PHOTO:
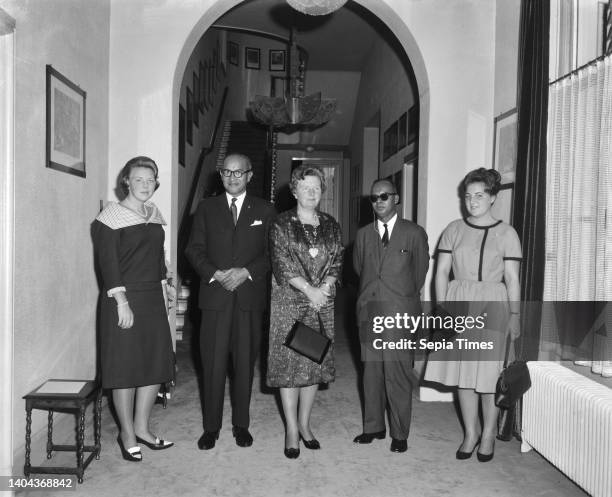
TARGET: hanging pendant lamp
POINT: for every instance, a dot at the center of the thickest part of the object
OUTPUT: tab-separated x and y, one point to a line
294	108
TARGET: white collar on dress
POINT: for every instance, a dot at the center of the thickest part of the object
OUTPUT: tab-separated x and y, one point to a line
117	216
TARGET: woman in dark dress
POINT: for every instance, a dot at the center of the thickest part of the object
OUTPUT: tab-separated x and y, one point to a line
136	347
306	251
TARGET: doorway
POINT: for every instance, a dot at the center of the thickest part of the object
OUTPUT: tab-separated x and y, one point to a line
332	171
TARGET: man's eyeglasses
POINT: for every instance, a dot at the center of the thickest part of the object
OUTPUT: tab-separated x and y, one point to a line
238	173
383	196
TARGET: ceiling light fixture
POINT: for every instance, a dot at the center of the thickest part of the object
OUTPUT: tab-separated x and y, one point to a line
316	7
294	108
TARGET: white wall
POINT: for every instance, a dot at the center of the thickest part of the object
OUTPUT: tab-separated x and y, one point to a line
385	90
507	24
55	287
202	134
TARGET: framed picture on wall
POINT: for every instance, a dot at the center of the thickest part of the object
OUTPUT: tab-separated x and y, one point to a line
505	145
413	124
252	58
196	100
277	60
390	141
181	139
65	124
502	207
232	53
189	120
402	131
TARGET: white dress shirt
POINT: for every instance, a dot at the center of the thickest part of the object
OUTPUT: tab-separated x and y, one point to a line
239	201
381	228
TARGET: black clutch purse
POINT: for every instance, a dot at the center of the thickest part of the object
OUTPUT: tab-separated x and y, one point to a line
307	341
512	383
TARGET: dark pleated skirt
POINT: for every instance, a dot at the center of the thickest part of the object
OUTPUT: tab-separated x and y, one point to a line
141	355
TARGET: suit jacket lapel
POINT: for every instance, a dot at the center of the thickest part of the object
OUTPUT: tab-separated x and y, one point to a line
225	215
377	247
244	215
393	239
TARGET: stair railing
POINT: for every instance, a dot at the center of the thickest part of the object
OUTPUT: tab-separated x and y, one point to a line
185	224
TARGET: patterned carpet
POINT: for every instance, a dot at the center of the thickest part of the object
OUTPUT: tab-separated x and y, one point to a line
340	468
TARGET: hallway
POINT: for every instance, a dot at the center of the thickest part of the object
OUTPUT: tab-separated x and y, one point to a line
341	468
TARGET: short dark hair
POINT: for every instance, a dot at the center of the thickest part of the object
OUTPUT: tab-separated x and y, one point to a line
490	177
241	157
300	172
390	182
140	161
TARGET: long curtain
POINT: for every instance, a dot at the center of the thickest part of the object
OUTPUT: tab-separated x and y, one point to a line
579	197
530	183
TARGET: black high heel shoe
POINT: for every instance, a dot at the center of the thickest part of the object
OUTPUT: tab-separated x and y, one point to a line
311	444
486	457
292	453
461	455
130	454
158	445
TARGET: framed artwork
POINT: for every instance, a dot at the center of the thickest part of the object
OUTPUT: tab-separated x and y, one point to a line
181	139
65	124
502	207
505	144
252	58
402	131
413	124
232	53
196	100
277	60
189	105
390	141
202	104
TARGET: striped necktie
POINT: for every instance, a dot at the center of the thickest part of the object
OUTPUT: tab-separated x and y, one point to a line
234	210
385	237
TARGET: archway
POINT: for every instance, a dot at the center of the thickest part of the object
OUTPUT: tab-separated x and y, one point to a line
376	7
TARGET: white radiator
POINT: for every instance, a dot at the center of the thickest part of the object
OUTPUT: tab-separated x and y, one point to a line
568	419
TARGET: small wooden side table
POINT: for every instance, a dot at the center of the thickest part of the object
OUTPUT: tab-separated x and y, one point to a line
70	395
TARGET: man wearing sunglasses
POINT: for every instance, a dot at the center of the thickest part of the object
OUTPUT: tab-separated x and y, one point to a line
228	249
391	257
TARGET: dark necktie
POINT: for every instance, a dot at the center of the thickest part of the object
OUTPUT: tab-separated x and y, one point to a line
234	210
385	237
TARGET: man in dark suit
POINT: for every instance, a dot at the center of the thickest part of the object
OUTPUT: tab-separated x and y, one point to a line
391	257
228	249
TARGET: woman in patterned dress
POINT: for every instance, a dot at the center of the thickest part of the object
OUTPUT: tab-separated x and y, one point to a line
135	345
484	254
306	251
